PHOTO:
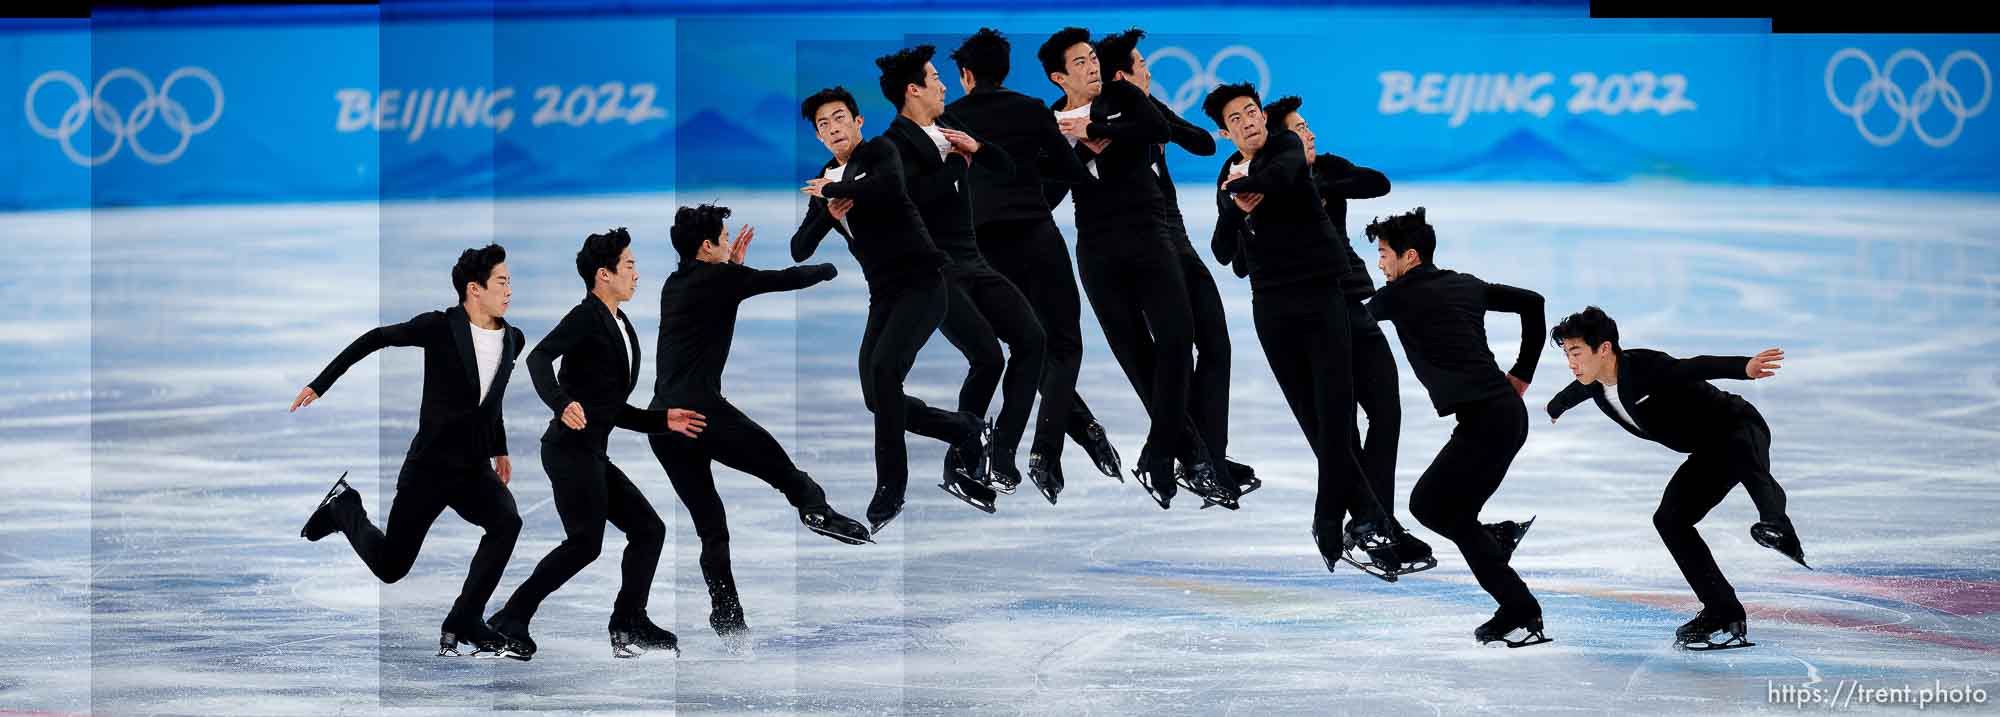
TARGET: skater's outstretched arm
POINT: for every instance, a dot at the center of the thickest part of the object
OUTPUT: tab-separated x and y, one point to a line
1187	135
1501	297
1706	368
672	420
415	332
764	281
1339	178
1568	398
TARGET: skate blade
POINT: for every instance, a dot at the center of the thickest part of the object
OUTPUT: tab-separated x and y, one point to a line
1046	493
843	537
1210	502
1165	500
1369	568
958	492
875	527
1706	646
1532	639
1417	566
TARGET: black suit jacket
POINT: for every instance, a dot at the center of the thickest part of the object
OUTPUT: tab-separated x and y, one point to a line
1339	180
1023	126
1440	317
595	373
889	239
1289	238
1670	398
1198	142
939	186
454	427
1126	190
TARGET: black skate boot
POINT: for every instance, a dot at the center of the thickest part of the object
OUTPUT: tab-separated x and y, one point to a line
887	504
1699	634
1778	535
825	521
321	523
486	642
1509	533
1156	475
1003	475
1412	552
1245	477
1372	549
1101	451
726	618
1507	629
967	457
634	634
1202	479
520	645
1047	475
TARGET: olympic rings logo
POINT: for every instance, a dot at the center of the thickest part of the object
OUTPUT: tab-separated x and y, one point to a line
124	128
1909	108
1204	77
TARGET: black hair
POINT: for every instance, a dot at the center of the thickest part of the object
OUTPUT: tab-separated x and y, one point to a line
1114	52
1404	232
1591	325
694	226
987	54
1051	53
1276	113
475	265
1219	98
600	251
901	69
809	108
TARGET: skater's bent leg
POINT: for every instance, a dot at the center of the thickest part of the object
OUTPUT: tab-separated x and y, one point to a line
972	334
420	497
1696	488
1376	391
645	537
576	478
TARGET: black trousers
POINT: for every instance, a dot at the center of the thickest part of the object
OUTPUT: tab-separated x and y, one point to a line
900	322
1137	288
1208	396
589	492
1032	254
986	309
733	440
423	491
1703	480
1303	329
1376	391
1467	471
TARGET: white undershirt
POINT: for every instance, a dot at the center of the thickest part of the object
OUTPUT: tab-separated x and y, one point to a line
1075	113
836	174
1237	170
937	137
487	345
630	350
1611	397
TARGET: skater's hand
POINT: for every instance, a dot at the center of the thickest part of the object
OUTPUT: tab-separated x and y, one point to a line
685	422
1247	201
1097	145
1078	127
572	416
306	397
741	246
961	142
839	208
1764	364
1520	386
813	186
504	468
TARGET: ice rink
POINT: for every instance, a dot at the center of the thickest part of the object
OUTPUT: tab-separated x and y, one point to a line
154	484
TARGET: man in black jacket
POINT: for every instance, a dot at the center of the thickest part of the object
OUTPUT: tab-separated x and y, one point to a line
984	307
1017	234
469	352
1440	316
1302	322
698	308
1669	401
1127	263
862	196
600	367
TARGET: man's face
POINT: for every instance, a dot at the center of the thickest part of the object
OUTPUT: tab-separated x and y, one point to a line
1393	266
928	96
837	128
1243	123
625	282
495	295
1586	364
1140	75
1080	75
716	249
1297	124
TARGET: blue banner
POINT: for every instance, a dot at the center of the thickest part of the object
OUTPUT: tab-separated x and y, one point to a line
355	109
